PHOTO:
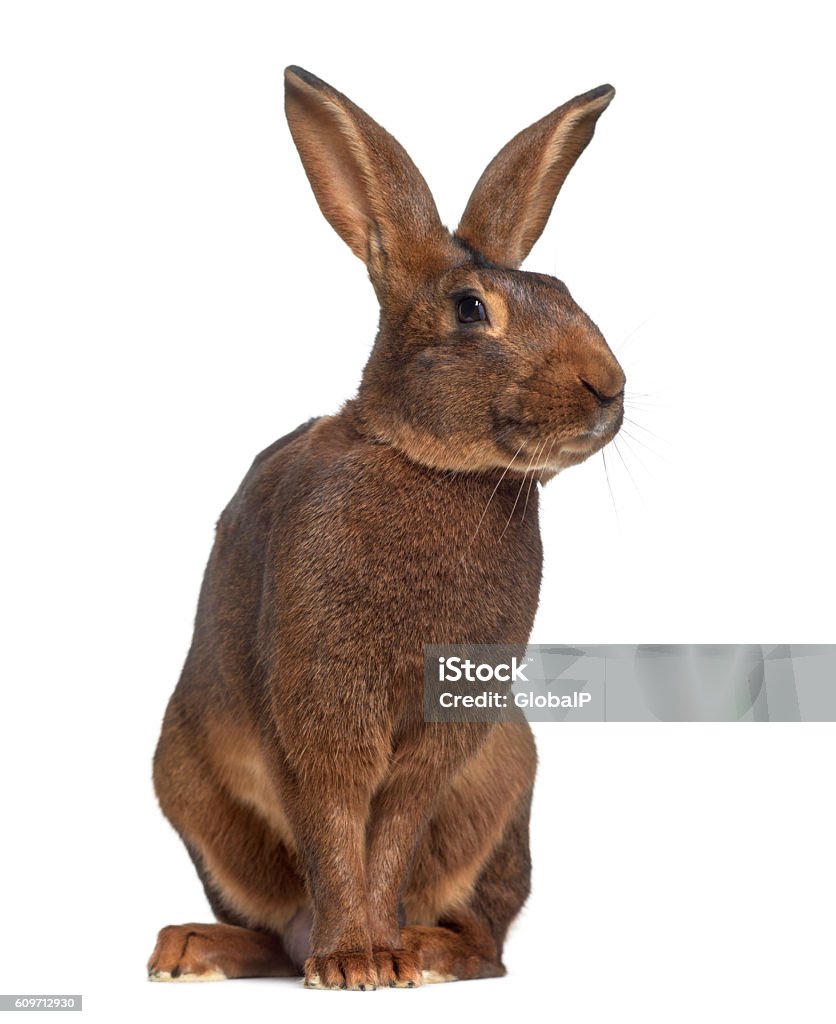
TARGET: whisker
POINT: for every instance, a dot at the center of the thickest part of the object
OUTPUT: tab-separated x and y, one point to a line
493	492
627	468
632	393
644	396
643	408
641	426
447	474
638	440
505	432
623	346
551	449
519	492
531	482
626	439
609	485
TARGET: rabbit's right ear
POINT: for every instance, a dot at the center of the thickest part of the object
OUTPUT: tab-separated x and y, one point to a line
367	187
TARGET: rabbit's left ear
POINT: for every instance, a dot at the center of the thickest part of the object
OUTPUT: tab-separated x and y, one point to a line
514	197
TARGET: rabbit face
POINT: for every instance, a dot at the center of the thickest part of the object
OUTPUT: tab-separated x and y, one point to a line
477	365
486	366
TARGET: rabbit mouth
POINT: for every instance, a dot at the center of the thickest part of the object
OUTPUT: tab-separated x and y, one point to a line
563	452
595	437
549	450
592	440
589	439
597	434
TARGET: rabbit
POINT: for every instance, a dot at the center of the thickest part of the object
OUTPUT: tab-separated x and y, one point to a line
338	835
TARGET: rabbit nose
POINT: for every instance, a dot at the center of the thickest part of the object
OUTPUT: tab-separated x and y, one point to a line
603	397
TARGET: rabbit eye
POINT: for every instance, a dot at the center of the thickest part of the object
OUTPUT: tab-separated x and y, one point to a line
471	310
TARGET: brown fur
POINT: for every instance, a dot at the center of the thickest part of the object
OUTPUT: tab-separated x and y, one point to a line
336	833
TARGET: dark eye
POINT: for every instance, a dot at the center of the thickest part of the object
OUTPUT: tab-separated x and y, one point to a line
471	310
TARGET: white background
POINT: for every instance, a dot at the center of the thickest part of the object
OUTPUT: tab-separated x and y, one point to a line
172	301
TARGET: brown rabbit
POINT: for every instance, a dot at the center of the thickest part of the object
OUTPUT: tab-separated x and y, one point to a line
337	834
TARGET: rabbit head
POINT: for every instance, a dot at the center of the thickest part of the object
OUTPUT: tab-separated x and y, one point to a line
477	365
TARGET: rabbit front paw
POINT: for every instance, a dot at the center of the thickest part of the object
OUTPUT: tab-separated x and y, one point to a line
398	968
353	970
363	972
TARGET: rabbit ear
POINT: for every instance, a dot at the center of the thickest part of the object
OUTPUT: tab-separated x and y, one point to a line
365	183
513	199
